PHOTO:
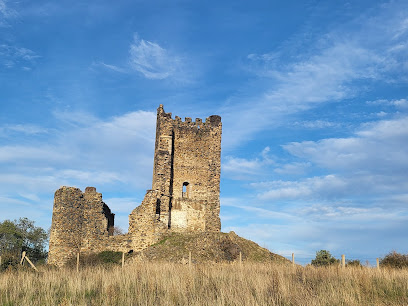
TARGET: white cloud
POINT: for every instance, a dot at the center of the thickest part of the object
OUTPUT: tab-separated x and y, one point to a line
114	155
241	168
367	171
112	67
258	212
307	235
153	61
293	168
12	57
305	189
82	152
379	147
331	71
317	124
6	13
398	103
28	129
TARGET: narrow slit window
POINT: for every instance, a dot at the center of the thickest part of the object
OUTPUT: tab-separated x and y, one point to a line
185	192
158	207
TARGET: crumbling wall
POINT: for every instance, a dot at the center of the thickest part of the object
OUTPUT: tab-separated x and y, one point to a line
98	221
81	222
66	228
145	227
184	196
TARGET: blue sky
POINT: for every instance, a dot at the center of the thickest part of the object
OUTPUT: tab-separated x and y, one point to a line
313	97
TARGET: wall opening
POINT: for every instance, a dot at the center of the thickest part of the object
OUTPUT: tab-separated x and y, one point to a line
158	208
186	189
110	218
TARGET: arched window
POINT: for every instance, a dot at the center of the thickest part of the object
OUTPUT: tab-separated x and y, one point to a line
186	188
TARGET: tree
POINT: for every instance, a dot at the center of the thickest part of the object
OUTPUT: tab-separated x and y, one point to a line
324	258
117	231
395	260
22	235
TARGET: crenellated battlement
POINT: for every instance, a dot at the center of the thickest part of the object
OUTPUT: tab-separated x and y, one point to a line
210	122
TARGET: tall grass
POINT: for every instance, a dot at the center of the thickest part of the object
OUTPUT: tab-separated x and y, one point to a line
156	283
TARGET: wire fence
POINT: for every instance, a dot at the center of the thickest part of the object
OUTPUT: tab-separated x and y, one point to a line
307	259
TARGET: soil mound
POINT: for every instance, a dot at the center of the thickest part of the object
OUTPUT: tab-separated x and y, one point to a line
209	247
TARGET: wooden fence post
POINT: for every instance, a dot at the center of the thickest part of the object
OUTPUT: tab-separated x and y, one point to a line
77	262
189	258
31	264
343	261
0	261
378	264
293	259
123	259
22	257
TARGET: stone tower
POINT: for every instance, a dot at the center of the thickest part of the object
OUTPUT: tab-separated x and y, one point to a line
186	172
185	195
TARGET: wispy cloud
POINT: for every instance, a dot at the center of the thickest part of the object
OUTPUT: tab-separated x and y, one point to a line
6	13
369	165
153	61
294	168
12	57
398	103
362	51
114	154
112	67
28	129
378	147
317	124
240	168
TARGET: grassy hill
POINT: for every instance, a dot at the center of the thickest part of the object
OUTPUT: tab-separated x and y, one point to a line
213	247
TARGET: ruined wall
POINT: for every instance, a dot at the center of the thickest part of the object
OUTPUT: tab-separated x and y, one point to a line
184	196
145	227
81	222
66	228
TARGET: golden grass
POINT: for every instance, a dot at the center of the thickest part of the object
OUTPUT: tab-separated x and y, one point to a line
160	283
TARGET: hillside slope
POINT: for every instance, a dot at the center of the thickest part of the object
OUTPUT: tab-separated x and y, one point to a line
213	247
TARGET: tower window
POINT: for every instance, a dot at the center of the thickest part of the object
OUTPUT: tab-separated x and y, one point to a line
185	193
158	207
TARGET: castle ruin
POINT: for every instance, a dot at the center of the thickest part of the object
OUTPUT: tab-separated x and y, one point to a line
185	195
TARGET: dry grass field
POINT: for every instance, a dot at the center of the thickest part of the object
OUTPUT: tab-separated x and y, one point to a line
155	283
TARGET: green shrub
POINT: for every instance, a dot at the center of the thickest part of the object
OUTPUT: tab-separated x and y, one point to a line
324	258
21	236
96	259
395	260
8	260
110	257
353	263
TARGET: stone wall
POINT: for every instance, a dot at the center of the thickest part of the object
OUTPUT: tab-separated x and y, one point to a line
186	174
81	222
184	196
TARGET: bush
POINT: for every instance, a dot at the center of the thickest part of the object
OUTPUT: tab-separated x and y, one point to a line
395	260
104	258
110	257
21	236
353	263
324	258
8	260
